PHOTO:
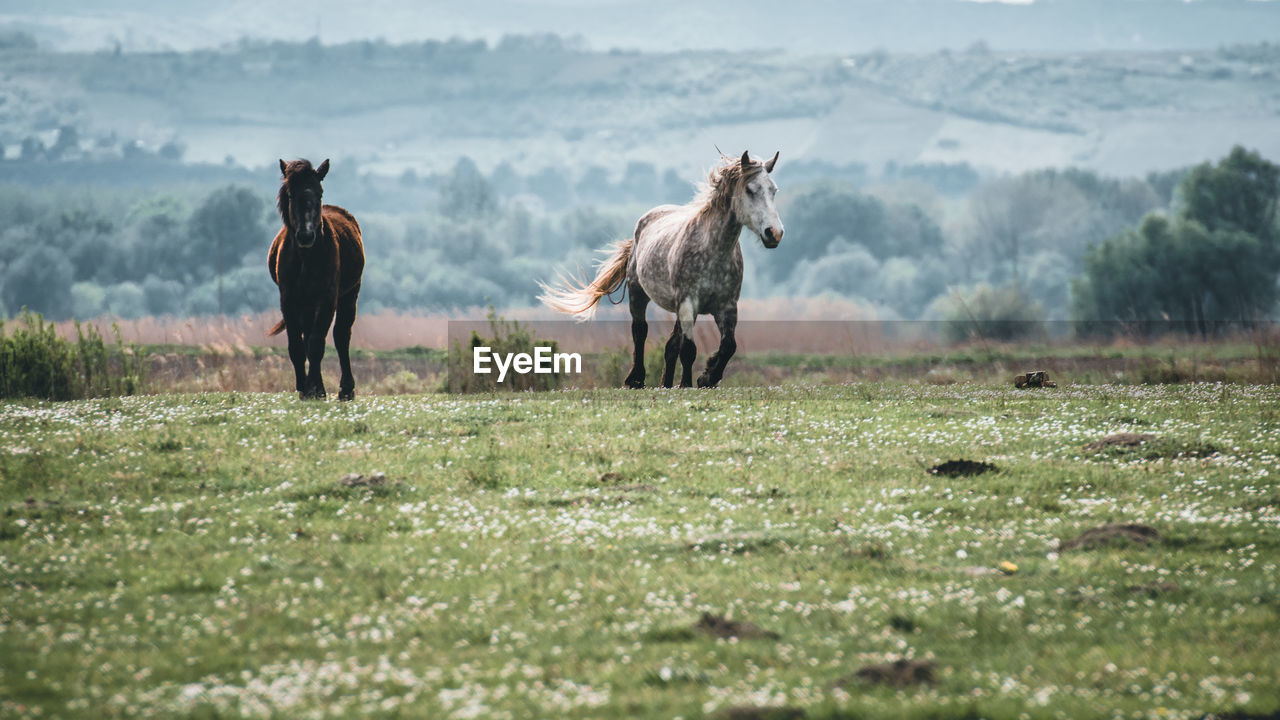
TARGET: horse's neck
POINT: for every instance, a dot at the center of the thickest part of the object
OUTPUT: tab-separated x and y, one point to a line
723	230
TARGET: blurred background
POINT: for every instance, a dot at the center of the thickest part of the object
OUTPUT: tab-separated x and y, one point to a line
1042	160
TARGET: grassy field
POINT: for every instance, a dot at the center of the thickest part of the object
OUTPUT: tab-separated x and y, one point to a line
553	555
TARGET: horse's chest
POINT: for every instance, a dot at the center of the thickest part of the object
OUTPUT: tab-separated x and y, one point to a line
309	274
718	282
710	279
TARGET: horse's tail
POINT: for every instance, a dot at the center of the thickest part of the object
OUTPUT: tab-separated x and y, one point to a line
277	328
574	299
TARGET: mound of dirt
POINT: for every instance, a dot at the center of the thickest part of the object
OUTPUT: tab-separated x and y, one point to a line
962	468
610	478
1119	440
1245	715
899	673
1150	447
752	712
723	627
903	624
1111	534
51	509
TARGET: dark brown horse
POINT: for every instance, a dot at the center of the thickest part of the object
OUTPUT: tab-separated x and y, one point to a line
316	259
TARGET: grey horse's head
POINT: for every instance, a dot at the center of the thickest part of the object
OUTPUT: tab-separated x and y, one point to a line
753	203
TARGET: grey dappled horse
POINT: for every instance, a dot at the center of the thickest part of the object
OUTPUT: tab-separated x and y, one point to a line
686	258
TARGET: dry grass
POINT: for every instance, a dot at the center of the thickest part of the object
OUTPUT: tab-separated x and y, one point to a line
387	330
212	372
772	343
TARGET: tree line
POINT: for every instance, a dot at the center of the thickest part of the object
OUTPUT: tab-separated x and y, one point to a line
1196	247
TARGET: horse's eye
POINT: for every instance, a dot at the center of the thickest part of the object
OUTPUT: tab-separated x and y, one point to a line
751	190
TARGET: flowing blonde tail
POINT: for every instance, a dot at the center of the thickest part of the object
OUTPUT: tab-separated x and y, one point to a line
580	300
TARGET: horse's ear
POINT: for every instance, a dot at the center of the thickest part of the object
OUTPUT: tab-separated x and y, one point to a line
746	160
282	166
768	167
323	169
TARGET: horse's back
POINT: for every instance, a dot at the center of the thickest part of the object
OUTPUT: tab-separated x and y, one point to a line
350	245
656	250
655	216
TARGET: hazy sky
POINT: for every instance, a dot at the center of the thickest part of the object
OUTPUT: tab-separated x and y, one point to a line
803	26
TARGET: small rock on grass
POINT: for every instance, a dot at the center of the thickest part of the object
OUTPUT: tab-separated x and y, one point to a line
1111	534
1034	379
723	627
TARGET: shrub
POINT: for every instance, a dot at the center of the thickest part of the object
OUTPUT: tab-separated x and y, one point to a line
508	337
990	313
36	362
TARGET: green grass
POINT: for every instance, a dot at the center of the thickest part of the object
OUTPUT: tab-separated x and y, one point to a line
548	555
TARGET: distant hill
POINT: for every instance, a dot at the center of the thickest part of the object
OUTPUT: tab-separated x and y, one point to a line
817	26
542	102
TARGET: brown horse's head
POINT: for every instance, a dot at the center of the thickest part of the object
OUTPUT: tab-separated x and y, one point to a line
300	198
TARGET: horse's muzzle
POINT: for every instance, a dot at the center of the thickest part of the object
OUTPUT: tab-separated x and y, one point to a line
305	240
772	237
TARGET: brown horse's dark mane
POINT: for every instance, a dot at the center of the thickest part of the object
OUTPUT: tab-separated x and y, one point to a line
299	171
716	194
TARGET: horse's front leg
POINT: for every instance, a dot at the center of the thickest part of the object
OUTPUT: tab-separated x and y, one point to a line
639	331
671	355
315	352
297	349
688	352
727	323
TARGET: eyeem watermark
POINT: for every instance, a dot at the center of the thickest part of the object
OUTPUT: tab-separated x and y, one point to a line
543	361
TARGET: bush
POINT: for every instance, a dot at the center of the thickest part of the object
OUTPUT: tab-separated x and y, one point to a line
36	363
508	337
990	313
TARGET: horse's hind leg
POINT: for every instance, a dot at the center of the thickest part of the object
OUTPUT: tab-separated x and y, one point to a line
727	323
688	351
671	355
342	323
639	331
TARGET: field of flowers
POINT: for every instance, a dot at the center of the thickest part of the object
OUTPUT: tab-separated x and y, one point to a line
626	554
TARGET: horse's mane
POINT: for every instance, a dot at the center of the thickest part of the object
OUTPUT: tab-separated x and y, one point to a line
716	194
282	198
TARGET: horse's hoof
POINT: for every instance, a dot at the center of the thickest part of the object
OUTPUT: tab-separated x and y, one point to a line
347	395
635	384
705	382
